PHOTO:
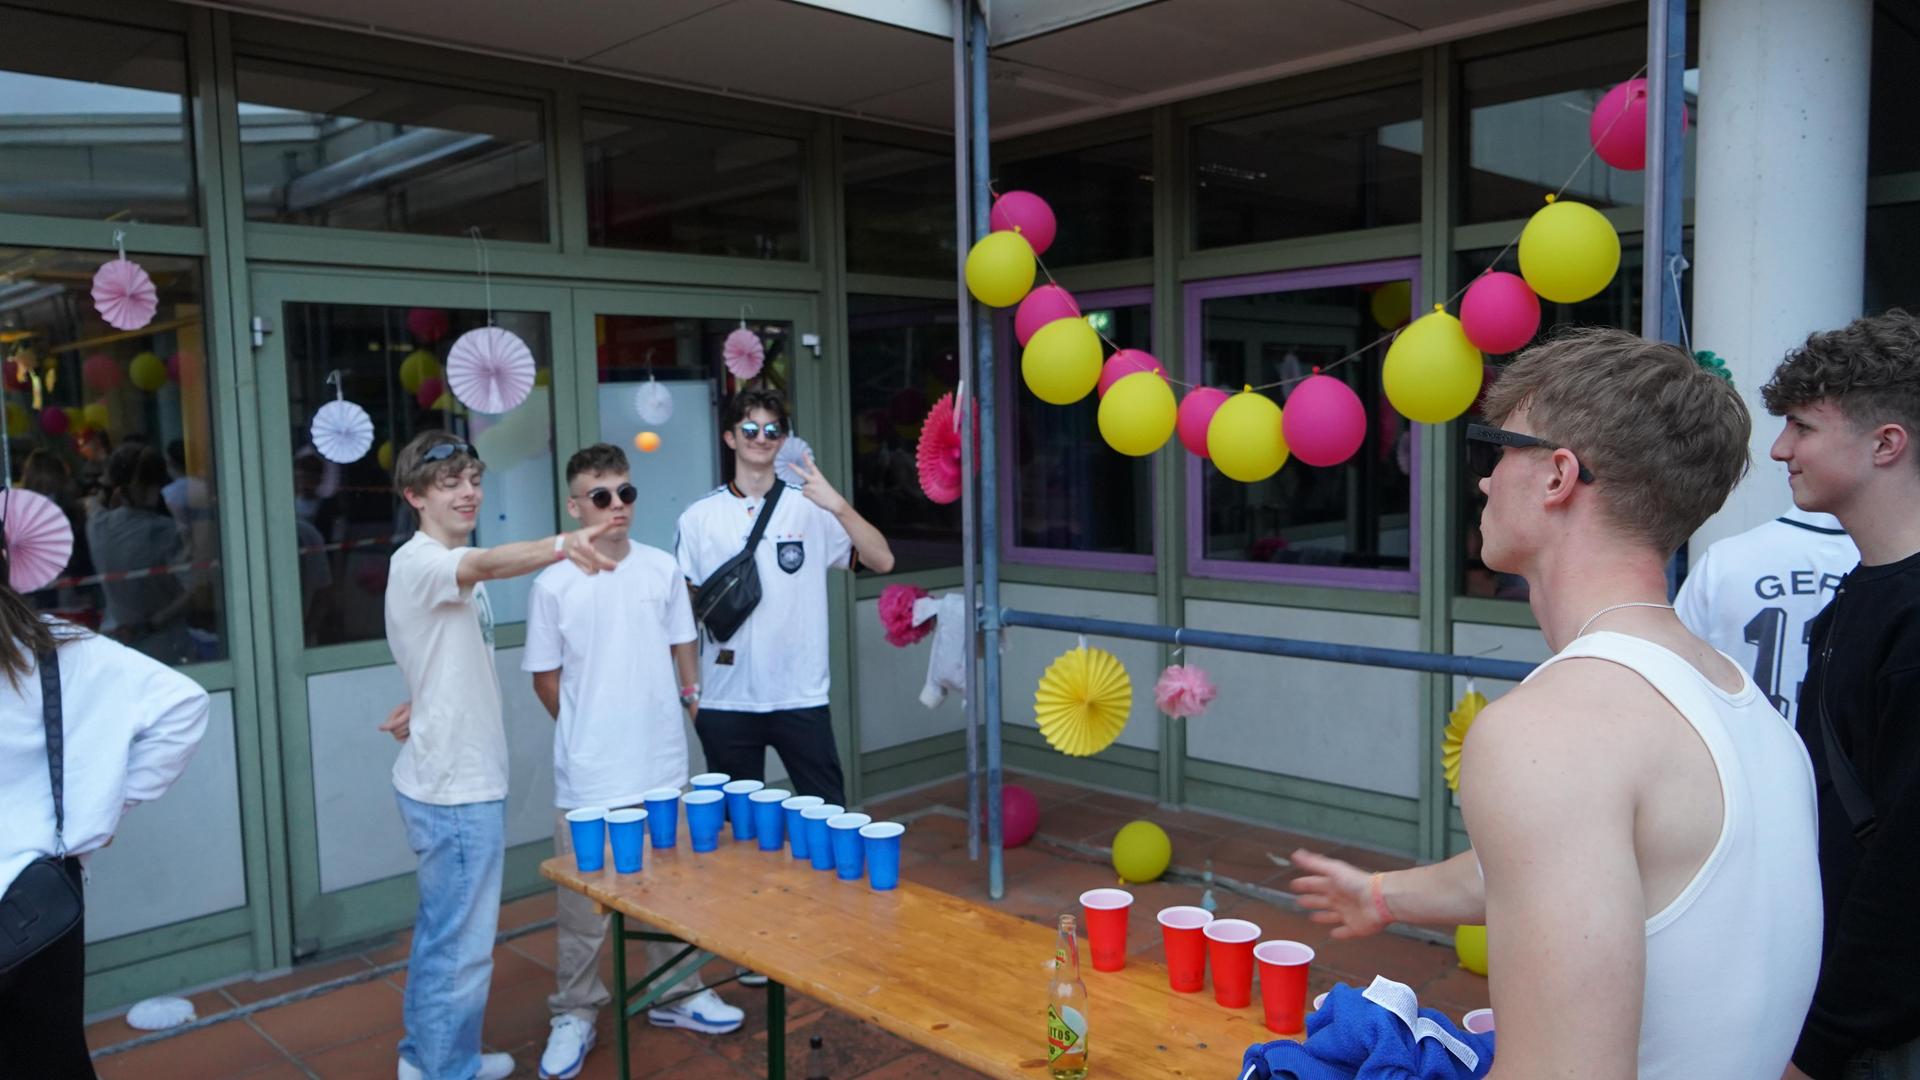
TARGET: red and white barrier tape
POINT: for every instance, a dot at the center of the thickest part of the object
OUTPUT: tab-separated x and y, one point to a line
115	576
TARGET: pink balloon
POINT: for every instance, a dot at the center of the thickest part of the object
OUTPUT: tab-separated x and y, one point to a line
1019	815
430	390
1618	127
1124	363
1042	306
1500	313
102	372
1196	412
1324	422
54	421
1027	214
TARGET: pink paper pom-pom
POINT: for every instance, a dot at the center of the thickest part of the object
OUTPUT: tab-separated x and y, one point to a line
896	614
744	354
1184	690
938	454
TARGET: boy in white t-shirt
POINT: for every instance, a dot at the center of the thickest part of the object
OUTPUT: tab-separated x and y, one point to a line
767	684
451	775
604	654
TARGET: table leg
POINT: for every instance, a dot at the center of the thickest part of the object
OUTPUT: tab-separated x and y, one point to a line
776	1031
619	936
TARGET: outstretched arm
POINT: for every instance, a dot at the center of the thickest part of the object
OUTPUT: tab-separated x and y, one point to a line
526	556
1447	893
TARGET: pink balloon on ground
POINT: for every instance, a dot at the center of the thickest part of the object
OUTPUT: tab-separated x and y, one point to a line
1124	363
1019	815
1196	412
1324	422
1618	126
1042	306
1027	214
1500	313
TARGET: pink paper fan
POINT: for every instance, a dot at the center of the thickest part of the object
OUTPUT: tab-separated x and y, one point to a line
39	539
490	370
744	354
938	455
123	294
896	614
1184	691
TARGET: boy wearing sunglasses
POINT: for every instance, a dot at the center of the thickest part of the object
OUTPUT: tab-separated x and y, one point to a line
451	775
607	655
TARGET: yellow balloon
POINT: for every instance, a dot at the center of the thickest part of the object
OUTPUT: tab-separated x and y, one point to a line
148	372
1470	944
1141	850
1392	304
385	456
1569	251
418	367
1000	269
1433	372
1138	414
1061	364
1244	439
17	418
543	376
94	414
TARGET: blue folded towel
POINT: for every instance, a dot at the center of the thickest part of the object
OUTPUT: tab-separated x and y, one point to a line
1375	1035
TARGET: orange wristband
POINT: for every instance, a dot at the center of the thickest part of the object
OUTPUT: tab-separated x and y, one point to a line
1380	902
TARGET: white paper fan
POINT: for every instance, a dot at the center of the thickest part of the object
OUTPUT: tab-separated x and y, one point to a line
653	402
490	370
341	430
39	539
786	465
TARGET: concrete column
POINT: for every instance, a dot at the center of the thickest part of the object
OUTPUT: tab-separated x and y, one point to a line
1781	201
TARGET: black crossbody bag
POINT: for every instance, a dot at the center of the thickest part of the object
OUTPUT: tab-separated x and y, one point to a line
723	602
1847	787
43	904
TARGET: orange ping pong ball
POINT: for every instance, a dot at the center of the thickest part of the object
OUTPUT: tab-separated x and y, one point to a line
647	441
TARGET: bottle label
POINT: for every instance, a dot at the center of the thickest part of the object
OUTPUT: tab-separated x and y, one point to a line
1065	1030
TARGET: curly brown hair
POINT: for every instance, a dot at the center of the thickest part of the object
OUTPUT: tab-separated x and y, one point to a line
747	399
1869	369
605	459
1666	440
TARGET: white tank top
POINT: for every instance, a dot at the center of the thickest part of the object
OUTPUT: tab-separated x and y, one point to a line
1731	962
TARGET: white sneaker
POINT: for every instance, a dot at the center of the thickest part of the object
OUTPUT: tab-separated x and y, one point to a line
492	1067
751	978
703	1012
567	1046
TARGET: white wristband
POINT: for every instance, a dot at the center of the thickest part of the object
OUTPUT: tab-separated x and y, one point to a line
559	546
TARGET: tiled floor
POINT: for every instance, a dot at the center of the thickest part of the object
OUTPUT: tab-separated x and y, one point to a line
353	1031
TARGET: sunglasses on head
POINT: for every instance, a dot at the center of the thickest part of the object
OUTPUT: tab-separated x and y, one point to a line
773	432
1486	443
601	498
445	450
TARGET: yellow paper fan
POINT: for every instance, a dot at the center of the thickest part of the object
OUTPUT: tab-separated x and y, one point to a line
1083	701
1458	721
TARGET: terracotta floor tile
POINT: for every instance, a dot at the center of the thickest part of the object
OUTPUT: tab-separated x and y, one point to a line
337	1017
705	1067
115	1029
517	1001
399	947
285	1070
247	991
374	1055
1415	963
539	947
1045	787
527	909
848	1047
223	1050
1080	823
922	1066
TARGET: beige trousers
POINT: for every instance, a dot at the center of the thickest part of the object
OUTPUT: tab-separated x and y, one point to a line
579	935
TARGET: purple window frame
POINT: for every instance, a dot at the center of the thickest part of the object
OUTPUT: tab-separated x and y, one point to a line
1196	294
1004	347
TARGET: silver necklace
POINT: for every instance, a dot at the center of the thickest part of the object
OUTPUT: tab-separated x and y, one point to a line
1616	607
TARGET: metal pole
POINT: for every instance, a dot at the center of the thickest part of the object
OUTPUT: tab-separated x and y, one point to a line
969	382
1660	240
989	465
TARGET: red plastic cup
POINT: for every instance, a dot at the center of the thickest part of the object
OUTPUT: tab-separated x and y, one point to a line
1106	917
1283	984
1230	951
1180	932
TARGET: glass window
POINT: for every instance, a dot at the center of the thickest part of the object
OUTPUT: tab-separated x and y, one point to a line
1351	524
1893	277
116	427
1348	163
1101	196
352	151
96	121
347	518
662	185
904	356
1893	146
1070	491
899	210
1526	124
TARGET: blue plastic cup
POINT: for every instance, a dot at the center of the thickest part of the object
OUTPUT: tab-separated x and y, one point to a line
819	837
882	840
796	828
739	809
627	830
589	827
847	855
712	781
663	815
706	809
769	821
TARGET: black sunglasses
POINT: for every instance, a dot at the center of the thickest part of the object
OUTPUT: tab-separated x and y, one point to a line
773	432
602	498
445	450
1486	443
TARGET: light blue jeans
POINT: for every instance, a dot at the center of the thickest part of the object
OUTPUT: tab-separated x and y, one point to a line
461	849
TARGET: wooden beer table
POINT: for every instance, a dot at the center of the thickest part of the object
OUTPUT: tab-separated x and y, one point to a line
960	979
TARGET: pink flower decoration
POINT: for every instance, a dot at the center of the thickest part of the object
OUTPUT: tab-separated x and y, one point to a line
123	294
938	455
744	354
39	539
490	370
896	614
1183	691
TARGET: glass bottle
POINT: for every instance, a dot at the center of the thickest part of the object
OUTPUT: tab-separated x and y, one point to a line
1067	1008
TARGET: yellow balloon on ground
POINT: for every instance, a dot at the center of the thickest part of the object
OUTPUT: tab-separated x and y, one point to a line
1138	414
148	372
1244	439
1141	852
418	367
1061	364
1392	304
1569	251
385	456
1470	944
1433	372
1000	269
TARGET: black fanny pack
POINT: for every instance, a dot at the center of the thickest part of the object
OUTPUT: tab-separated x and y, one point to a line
723	601
44	903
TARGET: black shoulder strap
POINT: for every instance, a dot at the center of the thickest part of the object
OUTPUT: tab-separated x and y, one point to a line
1846	782
766	514
56	744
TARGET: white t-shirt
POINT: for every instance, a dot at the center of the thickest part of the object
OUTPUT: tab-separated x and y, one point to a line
1752	595
778	658
442	638
620	732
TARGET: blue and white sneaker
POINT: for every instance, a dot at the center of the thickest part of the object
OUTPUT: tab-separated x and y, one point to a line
703	1012
567	1046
